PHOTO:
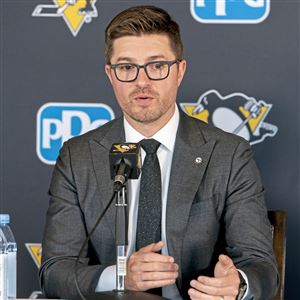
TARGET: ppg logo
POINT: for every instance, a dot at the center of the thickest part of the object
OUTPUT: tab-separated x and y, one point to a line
58	122
230	11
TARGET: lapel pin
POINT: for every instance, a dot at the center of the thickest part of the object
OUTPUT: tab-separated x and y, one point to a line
198	160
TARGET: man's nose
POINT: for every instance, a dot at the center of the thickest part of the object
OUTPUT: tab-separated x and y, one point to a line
142	78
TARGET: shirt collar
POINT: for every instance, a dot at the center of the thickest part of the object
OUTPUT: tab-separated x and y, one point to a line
166	135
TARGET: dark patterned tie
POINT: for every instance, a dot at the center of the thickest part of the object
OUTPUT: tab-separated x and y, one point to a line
149	212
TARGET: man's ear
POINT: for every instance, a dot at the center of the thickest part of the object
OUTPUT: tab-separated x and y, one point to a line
181	71
108	72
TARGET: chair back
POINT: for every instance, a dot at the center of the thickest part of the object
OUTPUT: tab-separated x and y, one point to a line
278	221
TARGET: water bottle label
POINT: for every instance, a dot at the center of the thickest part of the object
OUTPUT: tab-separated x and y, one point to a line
12	275
3	272
122	262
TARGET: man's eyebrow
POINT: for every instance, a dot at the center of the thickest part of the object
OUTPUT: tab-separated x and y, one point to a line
156	57
124	58
132	60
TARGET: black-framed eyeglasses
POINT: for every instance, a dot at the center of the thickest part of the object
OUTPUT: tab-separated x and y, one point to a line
155	70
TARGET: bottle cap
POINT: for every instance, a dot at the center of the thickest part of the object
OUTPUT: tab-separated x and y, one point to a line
4	218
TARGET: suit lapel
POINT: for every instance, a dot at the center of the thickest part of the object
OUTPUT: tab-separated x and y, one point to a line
190	159
100	148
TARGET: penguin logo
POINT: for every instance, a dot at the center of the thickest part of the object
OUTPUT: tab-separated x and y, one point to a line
74	12
236	113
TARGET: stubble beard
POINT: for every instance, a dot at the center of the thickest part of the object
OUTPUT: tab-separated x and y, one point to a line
144	115
149	113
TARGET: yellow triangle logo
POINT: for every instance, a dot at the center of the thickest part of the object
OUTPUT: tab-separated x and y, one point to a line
35	250
73	14
203	115
254	122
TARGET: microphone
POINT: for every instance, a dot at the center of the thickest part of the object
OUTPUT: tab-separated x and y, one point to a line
125	163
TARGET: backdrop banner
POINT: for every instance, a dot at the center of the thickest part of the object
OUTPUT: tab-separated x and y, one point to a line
242	76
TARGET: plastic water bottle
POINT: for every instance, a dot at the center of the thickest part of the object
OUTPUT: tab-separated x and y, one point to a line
3	267
8	260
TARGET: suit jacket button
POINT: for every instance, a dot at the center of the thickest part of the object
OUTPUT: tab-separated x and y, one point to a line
198	160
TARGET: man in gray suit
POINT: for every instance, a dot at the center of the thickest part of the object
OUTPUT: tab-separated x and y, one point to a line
216	240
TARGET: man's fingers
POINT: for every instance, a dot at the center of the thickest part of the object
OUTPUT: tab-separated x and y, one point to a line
218	282
198	295
146	285
155	267
155	257
155	247
148	254
151	257
226	261
147	269
224	266
225	283
158	276
210	281
215	290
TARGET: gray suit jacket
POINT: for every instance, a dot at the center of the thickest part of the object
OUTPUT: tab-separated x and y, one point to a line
213	207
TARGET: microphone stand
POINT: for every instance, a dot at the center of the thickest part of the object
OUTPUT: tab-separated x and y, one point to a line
121	238
120	292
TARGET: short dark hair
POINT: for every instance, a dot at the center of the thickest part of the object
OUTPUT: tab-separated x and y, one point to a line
144	19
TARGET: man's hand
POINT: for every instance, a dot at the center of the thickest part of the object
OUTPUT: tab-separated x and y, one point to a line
224	285
147	269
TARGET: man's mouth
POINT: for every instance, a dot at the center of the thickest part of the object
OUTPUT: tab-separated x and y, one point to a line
143	98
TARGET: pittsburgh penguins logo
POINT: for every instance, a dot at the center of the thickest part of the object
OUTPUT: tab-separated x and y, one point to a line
126	147
236	113
74	12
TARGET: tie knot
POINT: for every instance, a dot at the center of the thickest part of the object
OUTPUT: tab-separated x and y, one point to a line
150	145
